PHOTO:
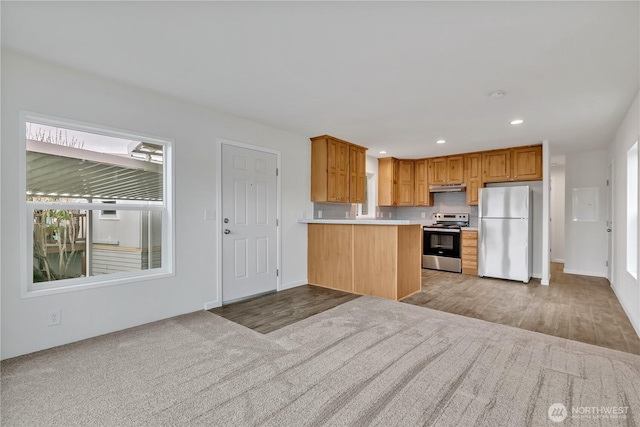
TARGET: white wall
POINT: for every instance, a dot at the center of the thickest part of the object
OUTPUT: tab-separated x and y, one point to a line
372	166
557	213
585	250
624	285
45	88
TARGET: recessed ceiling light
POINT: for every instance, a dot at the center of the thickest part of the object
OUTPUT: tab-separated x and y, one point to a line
440	141
383	152
497	94
517	122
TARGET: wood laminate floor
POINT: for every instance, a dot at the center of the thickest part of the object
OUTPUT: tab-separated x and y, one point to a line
268	313
580	308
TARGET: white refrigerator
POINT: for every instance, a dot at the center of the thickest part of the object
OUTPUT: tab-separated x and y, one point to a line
504	233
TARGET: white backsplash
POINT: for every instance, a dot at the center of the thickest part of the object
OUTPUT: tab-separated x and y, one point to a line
443	203
334	211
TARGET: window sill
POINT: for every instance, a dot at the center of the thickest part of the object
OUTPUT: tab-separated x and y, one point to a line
93	284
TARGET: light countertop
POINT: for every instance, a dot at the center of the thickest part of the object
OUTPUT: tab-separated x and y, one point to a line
361	221
422	222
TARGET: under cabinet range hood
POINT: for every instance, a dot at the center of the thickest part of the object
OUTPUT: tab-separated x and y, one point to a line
447	188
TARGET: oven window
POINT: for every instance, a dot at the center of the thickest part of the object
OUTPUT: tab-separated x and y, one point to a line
442	242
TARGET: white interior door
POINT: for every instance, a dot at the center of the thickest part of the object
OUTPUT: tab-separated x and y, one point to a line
249	227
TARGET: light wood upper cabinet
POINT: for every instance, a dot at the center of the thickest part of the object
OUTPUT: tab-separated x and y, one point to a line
405	187
338	173
331	170
446	170
526	163
496	166
403	182
438	170
388	181
338	165
513	164
357	173
456	169
422	197
473	177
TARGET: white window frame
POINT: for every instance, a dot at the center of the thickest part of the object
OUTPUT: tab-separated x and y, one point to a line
27	288
633	207
372	193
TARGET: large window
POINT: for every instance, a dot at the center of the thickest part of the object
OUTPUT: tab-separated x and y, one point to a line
97	206
632	210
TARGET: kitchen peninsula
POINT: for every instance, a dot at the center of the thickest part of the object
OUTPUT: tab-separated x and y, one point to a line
368	257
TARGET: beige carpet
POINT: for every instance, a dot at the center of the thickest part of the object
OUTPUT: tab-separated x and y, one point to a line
366	362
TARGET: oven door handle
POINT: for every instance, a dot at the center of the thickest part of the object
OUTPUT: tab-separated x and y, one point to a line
442	230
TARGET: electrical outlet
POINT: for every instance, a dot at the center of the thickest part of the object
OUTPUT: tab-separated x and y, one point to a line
319	214
389	214
424	214
346	215
54	317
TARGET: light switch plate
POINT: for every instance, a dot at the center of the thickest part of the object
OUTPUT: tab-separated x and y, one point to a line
209	214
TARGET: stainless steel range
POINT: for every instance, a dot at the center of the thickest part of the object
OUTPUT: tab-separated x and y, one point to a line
442	243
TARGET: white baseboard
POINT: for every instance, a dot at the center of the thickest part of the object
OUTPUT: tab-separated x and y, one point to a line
293	284
624	307
212	304
585	273
561	260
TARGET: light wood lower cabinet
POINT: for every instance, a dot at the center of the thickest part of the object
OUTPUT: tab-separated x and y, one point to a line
377	260
470	253
330	256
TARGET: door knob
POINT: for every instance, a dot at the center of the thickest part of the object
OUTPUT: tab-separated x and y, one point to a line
227	231
608	230
226	220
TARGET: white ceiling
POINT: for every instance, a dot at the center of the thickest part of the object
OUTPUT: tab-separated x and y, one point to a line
387	75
